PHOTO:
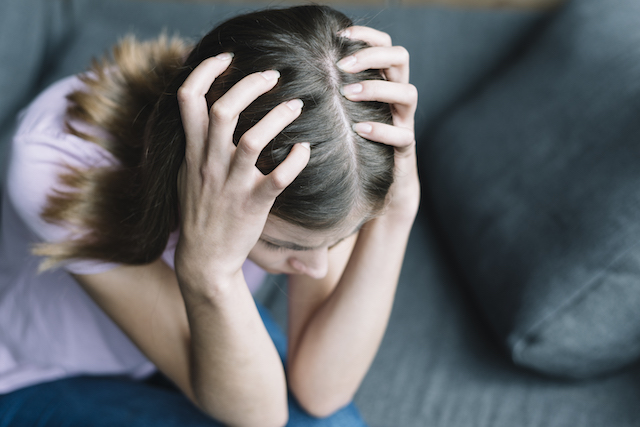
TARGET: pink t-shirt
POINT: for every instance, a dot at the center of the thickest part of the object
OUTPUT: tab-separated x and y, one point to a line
49	327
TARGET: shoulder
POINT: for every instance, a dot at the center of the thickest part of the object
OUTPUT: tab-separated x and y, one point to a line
42	129
42	150
46	112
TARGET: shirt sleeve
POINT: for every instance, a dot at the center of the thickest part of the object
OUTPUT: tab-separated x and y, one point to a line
37	161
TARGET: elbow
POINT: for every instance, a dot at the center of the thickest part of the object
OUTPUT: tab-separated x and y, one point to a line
273	415
276	420
270	418
267	418
317	401
321	408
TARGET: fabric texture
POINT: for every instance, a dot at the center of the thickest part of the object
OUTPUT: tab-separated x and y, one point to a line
440	366
49	327
117	401
536	186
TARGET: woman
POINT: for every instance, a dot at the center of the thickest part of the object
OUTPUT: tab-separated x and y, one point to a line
285	139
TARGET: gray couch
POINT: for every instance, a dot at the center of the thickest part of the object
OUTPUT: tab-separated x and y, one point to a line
519	300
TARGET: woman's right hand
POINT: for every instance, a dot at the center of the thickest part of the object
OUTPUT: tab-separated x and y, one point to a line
224	198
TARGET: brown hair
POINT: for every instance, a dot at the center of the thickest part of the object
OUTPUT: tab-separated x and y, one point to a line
129	211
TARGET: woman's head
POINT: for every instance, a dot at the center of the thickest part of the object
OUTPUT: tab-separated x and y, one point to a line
130	211
346	175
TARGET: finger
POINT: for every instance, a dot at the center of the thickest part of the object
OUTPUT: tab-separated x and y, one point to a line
366	34
403	96
255	139
393	60
402	139
192	101
286	172
226	110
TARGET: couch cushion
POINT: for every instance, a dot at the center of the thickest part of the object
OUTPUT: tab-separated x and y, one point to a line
535	181
23	29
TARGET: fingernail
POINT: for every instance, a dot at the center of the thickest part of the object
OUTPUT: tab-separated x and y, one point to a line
225	56
295	104
345	33
270	74
306	145
351	89
347	63
362	128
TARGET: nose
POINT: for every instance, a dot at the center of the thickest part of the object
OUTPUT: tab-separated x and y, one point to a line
314	264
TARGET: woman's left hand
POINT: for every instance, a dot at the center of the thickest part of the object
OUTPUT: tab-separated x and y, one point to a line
403	98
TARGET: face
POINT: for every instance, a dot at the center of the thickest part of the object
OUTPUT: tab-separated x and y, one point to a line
287	248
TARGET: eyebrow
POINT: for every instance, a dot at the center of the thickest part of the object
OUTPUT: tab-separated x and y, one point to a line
296	247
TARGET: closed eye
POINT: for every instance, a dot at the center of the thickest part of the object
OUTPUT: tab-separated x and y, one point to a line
273	247
270	246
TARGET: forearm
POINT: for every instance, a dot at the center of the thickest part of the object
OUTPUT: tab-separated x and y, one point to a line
236	374
342	337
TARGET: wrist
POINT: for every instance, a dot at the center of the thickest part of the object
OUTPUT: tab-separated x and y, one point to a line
404	197
402	211
203	281
389	228
200	262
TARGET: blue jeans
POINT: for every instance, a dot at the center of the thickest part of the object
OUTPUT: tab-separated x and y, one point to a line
118	401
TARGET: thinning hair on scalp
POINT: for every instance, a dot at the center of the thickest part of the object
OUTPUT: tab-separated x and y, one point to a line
129	211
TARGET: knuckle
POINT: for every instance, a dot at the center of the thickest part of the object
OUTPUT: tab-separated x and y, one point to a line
409	139
412	93
190	160
250	144
206	175
220	112
403	53
279	180
185	93
386	39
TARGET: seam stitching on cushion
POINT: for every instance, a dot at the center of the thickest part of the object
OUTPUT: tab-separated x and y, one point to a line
519	344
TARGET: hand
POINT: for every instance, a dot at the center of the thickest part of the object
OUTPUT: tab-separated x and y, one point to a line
403	98
224	198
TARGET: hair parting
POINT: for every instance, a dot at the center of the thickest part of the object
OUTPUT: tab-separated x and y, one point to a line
125	213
